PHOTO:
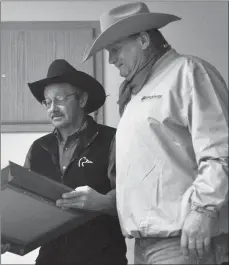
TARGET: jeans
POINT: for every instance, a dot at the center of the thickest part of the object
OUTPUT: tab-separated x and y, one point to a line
168	251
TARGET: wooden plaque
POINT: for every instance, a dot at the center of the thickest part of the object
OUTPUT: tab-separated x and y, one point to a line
29	215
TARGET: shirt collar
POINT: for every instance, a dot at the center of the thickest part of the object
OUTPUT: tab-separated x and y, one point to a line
74	135
50	143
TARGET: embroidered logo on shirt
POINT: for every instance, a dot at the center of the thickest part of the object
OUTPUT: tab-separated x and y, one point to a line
83	161
151	97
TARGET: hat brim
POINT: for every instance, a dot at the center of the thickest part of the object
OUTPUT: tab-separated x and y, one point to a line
126	27
83	81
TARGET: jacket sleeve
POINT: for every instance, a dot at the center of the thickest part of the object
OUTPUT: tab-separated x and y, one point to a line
208	125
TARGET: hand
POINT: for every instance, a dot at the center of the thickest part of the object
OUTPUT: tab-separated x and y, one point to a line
85	198
196	234
5	248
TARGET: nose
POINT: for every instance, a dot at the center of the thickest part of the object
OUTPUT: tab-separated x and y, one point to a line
53	107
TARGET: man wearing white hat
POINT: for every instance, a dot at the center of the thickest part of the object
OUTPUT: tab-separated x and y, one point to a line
171	142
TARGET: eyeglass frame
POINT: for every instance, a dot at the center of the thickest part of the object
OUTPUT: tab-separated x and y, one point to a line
58	102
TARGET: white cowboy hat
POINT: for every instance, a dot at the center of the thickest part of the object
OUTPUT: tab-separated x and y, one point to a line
126	20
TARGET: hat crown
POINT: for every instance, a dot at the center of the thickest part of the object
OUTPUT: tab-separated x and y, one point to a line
121	12
60	71
59	67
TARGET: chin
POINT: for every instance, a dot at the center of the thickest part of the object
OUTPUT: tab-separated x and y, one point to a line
123	74
57	124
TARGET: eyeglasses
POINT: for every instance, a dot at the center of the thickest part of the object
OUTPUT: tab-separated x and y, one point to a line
59	101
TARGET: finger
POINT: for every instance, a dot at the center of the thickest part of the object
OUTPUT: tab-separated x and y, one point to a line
63	203
200	247
68	201
71	204
80	204
184	244
64	208
192	247
72	194
59	202
76	193
207	244
76	205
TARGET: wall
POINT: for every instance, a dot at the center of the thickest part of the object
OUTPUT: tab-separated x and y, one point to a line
203	31
197	33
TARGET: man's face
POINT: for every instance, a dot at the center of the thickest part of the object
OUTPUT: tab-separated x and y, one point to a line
63	112
125	55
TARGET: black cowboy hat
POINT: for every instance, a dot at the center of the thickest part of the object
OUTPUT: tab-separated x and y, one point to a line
60	71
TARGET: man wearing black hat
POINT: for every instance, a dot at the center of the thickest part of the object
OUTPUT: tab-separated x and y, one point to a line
76	153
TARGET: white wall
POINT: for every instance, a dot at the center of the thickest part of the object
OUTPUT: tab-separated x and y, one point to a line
203	31
14	146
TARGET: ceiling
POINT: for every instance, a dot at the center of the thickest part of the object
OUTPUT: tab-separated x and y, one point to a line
73	0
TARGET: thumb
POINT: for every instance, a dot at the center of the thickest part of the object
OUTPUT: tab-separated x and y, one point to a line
184	243
76	193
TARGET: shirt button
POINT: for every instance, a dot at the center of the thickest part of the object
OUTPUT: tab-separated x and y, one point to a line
64	167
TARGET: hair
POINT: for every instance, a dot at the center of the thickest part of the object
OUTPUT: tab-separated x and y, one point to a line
157	40
80	93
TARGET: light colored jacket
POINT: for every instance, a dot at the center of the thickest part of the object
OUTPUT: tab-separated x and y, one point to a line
172	148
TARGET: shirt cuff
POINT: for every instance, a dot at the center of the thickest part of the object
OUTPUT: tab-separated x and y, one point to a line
209	211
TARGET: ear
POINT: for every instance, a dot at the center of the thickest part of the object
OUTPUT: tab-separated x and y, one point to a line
144	40
83	100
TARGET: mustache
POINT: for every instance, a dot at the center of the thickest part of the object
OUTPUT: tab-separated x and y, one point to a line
54	114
